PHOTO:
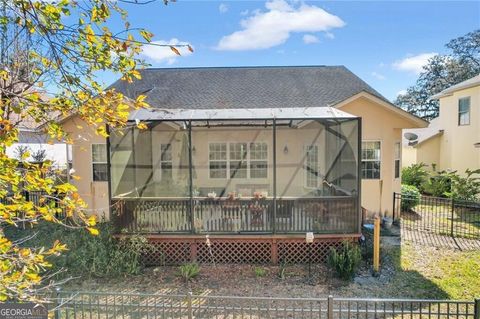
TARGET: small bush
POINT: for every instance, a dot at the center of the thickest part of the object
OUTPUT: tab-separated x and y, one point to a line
415	175
465	188
188	271
260	272
345	261
439	185
410	197
87	255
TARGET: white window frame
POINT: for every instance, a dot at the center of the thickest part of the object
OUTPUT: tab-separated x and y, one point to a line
94	162
305	181
228	161
397	157
162	161
369	160
225	160
469	112
250	160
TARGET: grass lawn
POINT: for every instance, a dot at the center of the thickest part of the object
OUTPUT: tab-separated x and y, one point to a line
428	272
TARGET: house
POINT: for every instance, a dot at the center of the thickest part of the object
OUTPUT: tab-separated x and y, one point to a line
32	137
253	157
452	140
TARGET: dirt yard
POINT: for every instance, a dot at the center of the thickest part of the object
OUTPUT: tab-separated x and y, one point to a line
409	271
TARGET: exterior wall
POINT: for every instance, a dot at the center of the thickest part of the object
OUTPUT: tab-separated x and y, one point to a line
409	155
95	193
457	151
428	152
379	124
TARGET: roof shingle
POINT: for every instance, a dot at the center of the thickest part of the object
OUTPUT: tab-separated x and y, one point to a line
245	87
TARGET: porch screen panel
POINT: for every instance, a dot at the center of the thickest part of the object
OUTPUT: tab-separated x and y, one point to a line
122	170
314	191
342	160
232	176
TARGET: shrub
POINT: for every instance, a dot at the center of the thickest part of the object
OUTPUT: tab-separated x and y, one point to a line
439	185
87	255
415	175
260	272
345	261
188	271
465	188
410	197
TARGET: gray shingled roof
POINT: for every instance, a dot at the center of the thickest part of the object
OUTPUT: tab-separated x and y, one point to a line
246	87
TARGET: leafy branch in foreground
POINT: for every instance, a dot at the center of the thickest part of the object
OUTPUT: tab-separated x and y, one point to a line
52	55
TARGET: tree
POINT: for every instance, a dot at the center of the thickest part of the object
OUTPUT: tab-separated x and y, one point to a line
441	72
52	55
39	156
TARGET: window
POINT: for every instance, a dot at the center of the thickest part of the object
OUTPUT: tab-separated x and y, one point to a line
166	161
243	161
217	155
464	111
397	159
258	160
311	166
370	160
99	162
238	160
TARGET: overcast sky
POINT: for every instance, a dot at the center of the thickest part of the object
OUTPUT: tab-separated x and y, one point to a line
385	42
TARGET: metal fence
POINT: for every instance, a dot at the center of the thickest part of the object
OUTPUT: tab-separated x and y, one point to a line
189	306
442	216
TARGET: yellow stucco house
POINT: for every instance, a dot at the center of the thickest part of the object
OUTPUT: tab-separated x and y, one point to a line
452	140
255	156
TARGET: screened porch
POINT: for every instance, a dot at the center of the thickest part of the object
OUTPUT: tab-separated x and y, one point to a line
242	171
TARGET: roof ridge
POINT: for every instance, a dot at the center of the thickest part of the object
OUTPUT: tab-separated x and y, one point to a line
247	67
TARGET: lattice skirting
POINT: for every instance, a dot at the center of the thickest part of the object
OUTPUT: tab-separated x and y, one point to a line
175	251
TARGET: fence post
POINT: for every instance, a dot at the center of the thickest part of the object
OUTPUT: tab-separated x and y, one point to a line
376	246
394	206
189	305
452	217
330	307
57	303
477	309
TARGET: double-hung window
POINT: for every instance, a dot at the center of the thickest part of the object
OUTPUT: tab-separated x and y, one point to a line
238	160
464	111
371	160
258	160
166	161
311	166
99	162
217	155
397	153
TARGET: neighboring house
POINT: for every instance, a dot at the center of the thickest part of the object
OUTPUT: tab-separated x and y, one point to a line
253	156
32	136
452	140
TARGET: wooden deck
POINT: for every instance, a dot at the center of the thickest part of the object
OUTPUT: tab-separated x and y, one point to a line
175	249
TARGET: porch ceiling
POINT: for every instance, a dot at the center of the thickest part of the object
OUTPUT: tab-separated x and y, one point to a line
240	114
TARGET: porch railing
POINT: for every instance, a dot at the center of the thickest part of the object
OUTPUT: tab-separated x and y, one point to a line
292	215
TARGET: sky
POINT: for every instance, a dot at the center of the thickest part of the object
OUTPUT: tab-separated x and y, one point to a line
384	42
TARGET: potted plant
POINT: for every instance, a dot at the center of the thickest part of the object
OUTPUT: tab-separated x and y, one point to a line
257	208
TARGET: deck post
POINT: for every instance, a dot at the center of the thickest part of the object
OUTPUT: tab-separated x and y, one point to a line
274	252
190	174
274	217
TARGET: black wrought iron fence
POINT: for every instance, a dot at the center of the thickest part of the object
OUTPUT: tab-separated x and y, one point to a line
442	216
189	306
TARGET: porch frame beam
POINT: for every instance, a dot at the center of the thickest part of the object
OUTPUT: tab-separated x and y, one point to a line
190	175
